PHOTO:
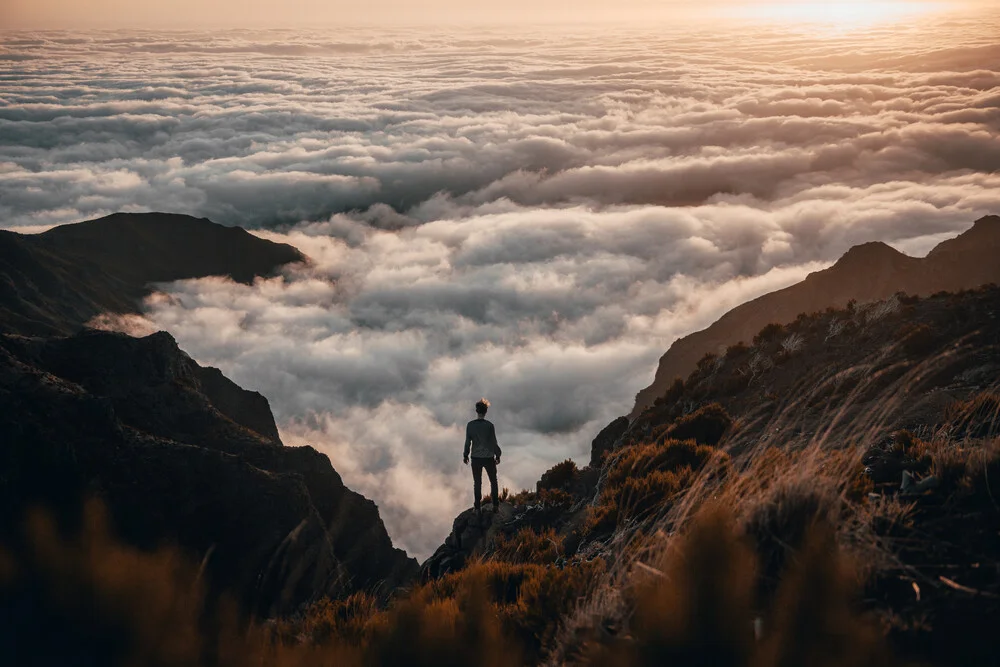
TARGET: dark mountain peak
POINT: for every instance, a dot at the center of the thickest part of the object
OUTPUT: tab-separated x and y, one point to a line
55	282
156	247
869	254
866	272
182	455
983	235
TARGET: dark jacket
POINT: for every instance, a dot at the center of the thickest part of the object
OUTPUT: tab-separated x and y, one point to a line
481	438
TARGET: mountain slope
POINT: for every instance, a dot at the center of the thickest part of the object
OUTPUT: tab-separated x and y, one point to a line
178	453
54	282
183	457
866	272
880	423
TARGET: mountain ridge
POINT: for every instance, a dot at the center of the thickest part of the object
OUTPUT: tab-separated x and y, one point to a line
53	283
866	272
178	453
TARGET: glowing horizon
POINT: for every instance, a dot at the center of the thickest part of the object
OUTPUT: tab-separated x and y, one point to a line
188	14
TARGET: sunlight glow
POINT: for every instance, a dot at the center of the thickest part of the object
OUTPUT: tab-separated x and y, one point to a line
840	14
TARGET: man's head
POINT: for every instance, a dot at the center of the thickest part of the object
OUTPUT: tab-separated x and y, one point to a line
482	406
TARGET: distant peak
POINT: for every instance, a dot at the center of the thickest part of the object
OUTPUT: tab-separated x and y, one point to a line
874	251
984	234
989	223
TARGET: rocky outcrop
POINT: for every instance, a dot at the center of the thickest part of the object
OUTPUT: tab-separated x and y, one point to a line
133	422
867	272
606	439
180	454
55	282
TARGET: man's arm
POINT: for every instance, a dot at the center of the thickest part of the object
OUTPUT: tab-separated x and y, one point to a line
468	443
496	445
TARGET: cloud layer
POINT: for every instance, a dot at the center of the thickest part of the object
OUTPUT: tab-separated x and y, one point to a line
529	217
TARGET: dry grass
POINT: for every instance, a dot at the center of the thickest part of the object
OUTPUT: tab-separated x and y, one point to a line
706	425
677	580
528	546
696	606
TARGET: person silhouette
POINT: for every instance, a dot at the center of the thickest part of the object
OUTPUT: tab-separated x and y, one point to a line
481	442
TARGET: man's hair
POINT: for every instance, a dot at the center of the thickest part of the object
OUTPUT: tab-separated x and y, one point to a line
482	406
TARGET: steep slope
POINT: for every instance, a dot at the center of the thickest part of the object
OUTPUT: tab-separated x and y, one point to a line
135	422
53	283
180	454
865	273
882	422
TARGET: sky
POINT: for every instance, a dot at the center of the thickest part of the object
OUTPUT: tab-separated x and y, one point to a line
78	14
529	215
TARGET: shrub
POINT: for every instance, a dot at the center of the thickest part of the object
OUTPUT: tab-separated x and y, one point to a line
638	495
770	332
705	425
647	477
601	520
675	392
793	343
461	629
696	607
549	595
559	476
737	350
976	417
835	329
554	497
344	620
707	362
501	580
667	456
779	523
527	546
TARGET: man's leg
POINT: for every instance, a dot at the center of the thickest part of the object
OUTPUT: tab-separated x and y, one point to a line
491	471
477	481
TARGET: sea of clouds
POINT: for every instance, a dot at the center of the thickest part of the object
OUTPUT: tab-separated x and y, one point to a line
529	216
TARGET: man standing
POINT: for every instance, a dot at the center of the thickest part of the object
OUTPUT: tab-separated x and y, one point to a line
481	439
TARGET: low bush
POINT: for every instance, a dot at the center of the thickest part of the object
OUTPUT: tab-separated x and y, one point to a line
706	425
554	497
527	546
771	332
559	476
778	524
671	396
548	596
696	606
666	456
737	350
646	477
707	362
344	620
975	417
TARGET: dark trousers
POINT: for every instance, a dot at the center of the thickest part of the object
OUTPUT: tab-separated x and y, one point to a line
477	479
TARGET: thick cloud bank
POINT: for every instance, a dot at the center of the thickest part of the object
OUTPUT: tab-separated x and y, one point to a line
530	217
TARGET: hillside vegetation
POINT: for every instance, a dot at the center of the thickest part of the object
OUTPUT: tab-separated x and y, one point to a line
822	494
867	272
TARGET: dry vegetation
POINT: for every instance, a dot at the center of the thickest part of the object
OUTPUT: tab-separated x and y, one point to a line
819	509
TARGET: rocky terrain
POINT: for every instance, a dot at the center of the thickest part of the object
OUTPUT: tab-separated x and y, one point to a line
881	418
865	273
179	454
822	490
55	282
